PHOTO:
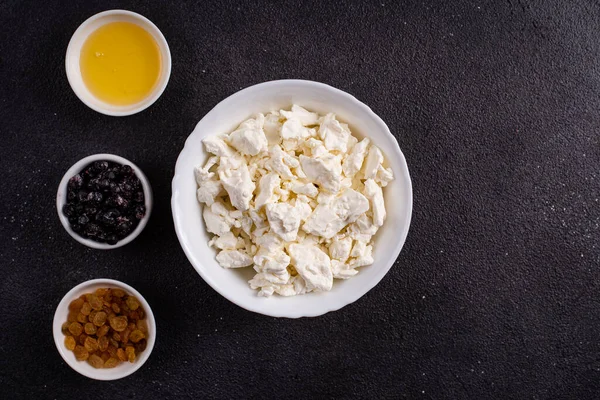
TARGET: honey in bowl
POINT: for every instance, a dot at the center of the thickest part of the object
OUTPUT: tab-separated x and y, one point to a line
120	63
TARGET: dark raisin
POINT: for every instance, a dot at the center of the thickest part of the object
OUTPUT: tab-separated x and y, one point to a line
76	228
139	197
75	182
95	197
112	239
140	211
124	227
126	170
118	201
91	230
101	165
83	220
68	210
104	184
73	219
71	196
109	218
91	211
82	195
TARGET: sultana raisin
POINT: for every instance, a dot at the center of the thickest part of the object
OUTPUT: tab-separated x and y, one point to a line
82	319
103	330
125	335
118	323
70	342
82	338
121	355
75	328
130	352
111	362
81	354
105	356
132	303
113	342
95	302
99	318
76	305
86	309
95	361
89	328
134	315
103	343
112	350
141	313
101	292
115	307
72	316
92	316
90	344
65	328
108	296
136	336
140	346
118	292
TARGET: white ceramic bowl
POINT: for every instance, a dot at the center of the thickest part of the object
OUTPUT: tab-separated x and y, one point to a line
187	215
61	199
124	368
74	71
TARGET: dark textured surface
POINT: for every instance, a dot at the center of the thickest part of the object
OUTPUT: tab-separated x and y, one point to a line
497	291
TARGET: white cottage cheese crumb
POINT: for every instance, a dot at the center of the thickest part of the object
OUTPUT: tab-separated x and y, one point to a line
296	196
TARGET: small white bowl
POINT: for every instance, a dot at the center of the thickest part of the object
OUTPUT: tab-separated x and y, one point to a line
61	200
265	97
123	369
74	52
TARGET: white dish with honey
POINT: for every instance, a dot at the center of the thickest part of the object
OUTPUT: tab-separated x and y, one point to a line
118	62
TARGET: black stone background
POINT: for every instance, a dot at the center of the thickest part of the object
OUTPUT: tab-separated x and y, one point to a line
496	293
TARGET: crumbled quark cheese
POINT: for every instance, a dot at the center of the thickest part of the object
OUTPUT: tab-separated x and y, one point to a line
294	195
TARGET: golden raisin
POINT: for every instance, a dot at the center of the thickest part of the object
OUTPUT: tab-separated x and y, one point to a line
103	343
113	342
81	318
72	316
116	336
132	303
81	354
86	309
75	328
76	305
118	323
82	338
108	296
111	362
136	336
141	325
101	292
92	315
140	346
121	355
90	344
115	307
65	328
130	352
125	335
95	361
100	318
90	328
95	302
103	330
105	356
70	342
112	350
118	292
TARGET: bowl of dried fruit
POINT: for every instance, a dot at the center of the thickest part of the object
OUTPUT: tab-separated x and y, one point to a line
104	329
104	201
